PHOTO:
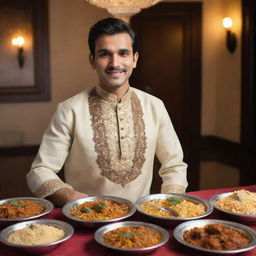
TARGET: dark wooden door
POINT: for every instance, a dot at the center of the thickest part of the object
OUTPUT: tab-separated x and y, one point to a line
169	67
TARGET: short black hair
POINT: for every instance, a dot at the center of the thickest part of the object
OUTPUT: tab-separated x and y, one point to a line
110	26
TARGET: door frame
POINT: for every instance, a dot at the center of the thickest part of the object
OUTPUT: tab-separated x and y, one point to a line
248	124
191	15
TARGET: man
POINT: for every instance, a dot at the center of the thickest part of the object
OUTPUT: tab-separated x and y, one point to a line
107	137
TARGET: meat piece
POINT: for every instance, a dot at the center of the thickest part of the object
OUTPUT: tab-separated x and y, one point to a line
216	237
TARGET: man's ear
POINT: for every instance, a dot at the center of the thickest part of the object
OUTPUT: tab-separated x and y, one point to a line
135	59
91	60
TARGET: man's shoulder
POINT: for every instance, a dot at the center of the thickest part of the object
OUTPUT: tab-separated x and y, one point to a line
144	96
77	99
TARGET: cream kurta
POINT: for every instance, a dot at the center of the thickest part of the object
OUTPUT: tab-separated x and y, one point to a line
108	148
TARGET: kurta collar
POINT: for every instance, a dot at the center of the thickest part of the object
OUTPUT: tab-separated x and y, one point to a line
107	96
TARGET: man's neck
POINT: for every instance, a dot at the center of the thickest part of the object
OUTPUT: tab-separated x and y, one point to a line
119	92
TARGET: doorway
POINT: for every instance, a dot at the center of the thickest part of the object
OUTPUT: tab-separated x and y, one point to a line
169	67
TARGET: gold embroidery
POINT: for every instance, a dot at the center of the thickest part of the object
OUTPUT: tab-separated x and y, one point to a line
49	187
119	137
172	189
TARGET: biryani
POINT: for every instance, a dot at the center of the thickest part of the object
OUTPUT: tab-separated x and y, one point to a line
240	202
185	208
216	237
36	234
132	237
100	210
20	209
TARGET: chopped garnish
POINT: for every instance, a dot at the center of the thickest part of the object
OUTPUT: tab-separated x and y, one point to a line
32	226
85	210
241	195
174	200
100	206
131	234
16	203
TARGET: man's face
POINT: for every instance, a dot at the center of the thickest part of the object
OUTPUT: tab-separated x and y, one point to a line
114	60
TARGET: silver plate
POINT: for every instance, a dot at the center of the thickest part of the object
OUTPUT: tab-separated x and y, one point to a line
41	248
103	230
96	223
45	203
180	229
241	217
207	205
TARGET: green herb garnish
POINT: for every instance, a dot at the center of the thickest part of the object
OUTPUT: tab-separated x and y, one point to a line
86	210
100	207
174	200
32	226
131	234
16	203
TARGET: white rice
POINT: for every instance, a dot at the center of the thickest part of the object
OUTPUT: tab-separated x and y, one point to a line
36	234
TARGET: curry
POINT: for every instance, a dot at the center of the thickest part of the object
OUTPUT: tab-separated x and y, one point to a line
100	210
20	209
132	237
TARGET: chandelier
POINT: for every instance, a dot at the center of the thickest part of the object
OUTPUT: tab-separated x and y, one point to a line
123	9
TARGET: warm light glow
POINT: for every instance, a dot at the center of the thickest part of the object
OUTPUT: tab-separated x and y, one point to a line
227	22
18	41
123	9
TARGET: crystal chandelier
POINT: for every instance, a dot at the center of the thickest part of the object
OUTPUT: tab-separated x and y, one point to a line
123	9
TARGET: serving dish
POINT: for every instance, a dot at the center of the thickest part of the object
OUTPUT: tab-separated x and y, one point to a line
99	234
43	202
97	223
181	228
40	248
246	218
173	220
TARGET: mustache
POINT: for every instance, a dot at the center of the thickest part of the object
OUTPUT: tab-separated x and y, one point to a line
118	69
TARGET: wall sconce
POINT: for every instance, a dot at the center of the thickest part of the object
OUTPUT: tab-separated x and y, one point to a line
231	37
19	42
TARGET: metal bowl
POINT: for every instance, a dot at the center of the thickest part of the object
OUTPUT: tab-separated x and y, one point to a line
173	220
99	234
41	248
45	203
180	229
96	223
247	218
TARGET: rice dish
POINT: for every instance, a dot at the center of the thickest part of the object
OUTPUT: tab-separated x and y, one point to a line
185	208
240	201
36	234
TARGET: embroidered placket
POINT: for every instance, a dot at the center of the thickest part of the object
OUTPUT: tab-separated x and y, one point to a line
121	130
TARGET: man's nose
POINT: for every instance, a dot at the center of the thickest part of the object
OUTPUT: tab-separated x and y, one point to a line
114	60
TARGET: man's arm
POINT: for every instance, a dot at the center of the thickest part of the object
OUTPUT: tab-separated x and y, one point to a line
42	179
169	152
65	195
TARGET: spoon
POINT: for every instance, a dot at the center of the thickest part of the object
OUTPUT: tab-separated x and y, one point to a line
170	210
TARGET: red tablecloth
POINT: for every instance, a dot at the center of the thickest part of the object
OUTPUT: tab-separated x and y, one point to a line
82	242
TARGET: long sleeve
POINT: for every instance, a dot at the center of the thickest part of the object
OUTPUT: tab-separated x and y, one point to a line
43	179
169	152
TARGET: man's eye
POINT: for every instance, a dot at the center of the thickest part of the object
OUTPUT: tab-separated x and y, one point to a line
124	53
103	54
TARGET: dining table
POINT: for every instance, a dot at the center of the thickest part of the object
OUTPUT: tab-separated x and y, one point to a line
82	242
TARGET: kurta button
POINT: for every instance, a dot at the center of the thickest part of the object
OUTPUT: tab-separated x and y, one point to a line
122	128
122	137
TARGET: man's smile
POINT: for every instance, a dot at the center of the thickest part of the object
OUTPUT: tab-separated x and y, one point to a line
115	72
